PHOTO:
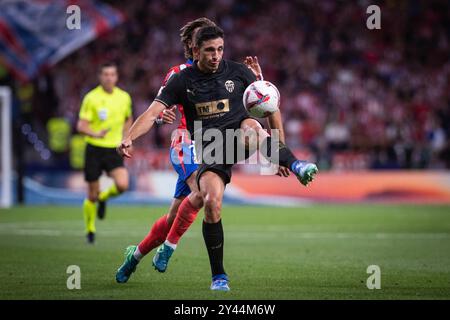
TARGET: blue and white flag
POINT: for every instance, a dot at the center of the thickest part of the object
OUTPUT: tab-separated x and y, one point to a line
35	34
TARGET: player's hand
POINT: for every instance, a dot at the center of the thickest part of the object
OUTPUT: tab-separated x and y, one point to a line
124	149
283	171
102	133
253	64
169	115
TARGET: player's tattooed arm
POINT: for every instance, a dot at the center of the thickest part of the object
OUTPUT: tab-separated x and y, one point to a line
141	126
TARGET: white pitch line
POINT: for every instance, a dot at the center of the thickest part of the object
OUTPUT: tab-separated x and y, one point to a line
21	231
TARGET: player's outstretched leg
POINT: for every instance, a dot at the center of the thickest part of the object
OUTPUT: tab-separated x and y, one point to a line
129	265
305	171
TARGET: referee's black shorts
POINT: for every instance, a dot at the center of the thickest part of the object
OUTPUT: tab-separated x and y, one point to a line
97	159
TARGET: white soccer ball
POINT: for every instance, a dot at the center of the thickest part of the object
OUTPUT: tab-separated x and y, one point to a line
261	99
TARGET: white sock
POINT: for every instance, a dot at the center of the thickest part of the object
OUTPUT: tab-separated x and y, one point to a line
172	245
137	254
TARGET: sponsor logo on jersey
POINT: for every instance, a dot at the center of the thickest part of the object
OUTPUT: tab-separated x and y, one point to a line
205	109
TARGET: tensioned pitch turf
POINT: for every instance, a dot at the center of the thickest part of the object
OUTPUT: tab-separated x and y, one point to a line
318	252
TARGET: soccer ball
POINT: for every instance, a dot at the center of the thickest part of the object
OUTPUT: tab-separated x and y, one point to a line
261	99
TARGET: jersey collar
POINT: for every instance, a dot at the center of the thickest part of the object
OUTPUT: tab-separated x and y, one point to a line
106	92
221	66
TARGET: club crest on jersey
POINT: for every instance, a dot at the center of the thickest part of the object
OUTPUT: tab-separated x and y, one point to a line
229	85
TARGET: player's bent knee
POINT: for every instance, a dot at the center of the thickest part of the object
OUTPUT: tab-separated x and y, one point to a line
212	203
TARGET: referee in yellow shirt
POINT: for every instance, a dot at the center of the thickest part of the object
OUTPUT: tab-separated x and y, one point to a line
105	115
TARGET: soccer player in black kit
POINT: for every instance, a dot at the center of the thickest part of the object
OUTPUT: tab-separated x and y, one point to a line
204	91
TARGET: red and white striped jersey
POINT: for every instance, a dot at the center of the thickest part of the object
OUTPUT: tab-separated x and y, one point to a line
172	71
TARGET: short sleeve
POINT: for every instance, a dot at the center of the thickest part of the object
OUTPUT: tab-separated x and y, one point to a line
86	112
172	93
248	75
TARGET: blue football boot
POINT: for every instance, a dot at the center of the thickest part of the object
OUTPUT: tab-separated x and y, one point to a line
305	171
220	283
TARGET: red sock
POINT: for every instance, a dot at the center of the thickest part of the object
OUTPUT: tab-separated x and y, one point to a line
156	236
186	214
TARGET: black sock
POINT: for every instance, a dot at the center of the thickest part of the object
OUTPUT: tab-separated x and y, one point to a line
213	236
285	155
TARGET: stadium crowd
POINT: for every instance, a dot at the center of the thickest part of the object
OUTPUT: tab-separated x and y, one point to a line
383	94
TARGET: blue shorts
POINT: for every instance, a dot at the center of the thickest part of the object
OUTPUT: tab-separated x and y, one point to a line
182	156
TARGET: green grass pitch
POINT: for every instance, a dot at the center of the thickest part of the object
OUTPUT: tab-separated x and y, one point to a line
317	252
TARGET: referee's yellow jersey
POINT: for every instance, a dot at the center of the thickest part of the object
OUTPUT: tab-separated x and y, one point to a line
105	110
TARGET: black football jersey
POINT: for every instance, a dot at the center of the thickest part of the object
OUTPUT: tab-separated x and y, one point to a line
215	99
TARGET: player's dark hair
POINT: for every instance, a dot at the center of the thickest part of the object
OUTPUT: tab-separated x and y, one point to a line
207	33
187	32
107	65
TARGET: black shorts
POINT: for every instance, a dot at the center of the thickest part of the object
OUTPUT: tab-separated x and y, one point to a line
223	170
97	159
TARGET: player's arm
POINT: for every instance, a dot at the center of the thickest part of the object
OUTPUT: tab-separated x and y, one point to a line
127	125
168	96
141	126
